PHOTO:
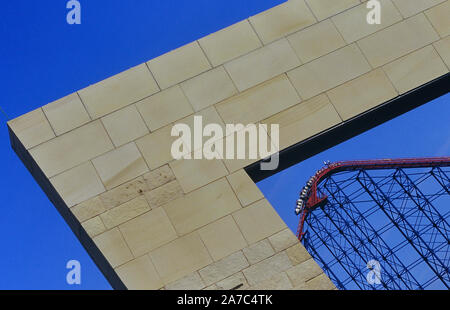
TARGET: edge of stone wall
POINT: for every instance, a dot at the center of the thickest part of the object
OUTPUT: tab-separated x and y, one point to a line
99	259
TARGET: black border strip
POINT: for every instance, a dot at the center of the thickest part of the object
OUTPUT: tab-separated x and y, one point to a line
354	126
99	259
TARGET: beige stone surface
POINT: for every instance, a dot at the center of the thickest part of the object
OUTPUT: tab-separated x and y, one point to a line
140	274
254	150
415	69
125	212
194	173
223	268
258	221
113	246
164	108
297	254
211	288
329	71
202	206
222	237
352	24
278	282
125	125
371	89
118	91
267	268
148	231
88	209
246	190
78	184
59	154
258	251
208	116
179	65
300	122
66	113
439	17
189	282
209	88
412	7
158	177
326	8
316	41
282	20
403	38
259	102
32	128
180	257
301	286
238	279
94	226
163	194
236	164
321	282
156	147
303	272
123	193
262	64
120	165
230	42
283	240
443	48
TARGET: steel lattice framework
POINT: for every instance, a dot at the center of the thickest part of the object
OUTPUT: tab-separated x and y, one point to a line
393	212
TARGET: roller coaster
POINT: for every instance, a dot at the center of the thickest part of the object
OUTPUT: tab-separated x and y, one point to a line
394	212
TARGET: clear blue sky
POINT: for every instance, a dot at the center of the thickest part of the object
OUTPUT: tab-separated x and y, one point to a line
42	59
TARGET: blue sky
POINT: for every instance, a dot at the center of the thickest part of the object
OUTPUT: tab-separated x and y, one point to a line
42	59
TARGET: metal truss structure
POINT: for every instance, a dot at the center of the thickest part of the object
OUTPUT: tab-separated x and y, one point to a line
380	224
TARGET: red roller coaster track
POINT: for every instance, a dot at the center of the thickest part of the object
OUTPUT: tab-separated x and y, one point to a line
309	198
